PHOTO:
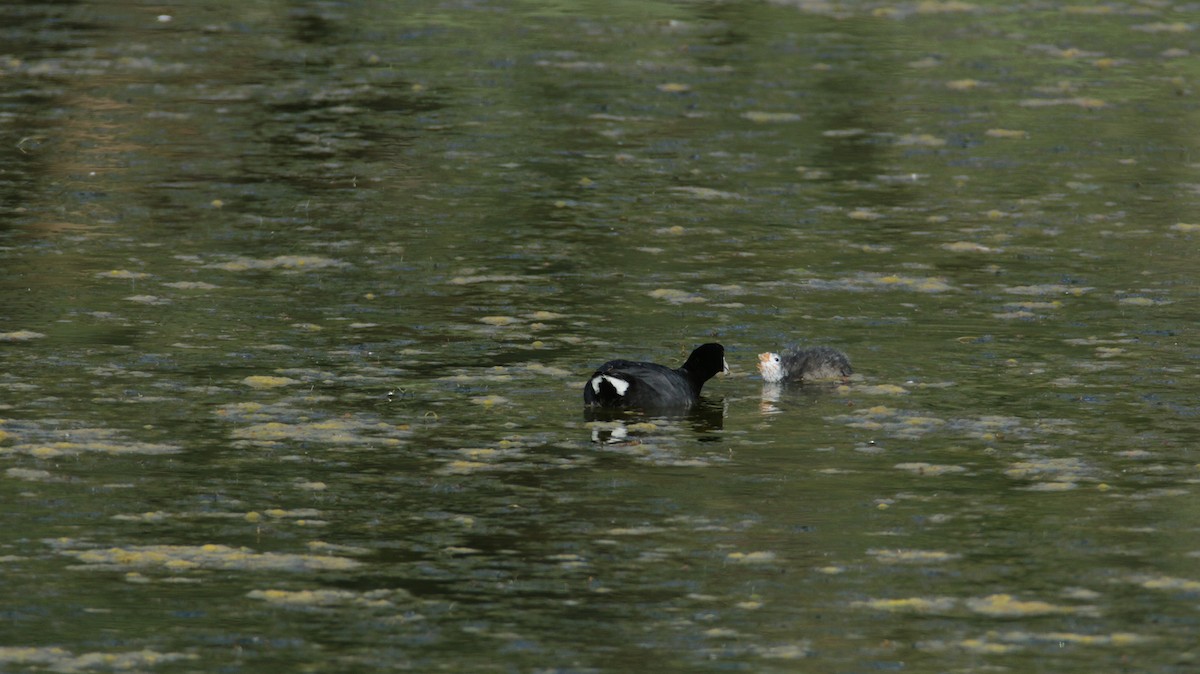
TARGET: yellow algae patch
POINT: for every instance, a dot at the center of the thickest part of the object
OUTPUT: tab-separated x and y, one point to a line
768	117
909	604
1168	583
122	274
674	88
267	381
863	214
152	516
100	444
341	432
921	140
1052	486
28	474
322	546
183	557
881	389
148	299
784	651
1047	289
1078	101
758	557
499	321
490	400
933	469
920	284
288	262
1142	302
1163	27
705	194
544	316
20	336
1185	227
60	660
305	598
280	513
191	285
487	278
463	466
985	647
1006	605
1006	133
967	247
900	555
675	296
962	85
944	7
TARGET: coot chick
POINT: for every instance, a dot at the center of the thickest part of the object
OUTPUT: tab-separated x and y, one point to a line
815	362
625	383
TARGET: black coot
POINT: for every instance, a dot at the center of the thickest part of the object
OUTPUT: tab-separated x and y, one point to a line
625	383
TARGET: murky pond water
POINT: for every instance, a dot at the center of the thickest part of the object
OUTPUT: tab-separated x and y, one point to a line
299	299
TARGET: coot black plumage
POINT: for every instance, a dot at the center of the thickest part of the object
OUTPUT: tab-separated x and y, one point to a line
625	383
814	362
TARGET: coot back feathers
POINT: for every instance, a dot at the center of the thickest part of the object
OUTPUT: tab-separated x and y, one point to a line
625	383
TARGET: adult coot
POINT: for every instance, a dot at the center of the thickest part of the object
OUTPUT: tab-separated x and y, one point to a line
814	362
625	383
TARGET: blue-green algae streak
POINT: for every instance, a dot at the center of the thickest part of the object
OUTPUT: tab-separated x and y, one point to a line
297	301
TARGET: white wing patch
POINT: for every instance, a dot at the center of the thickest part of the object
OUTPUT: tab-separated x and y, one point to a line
620	385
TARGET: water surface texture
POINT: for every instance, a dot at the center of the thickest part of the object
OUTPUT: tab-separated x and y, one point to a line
297	301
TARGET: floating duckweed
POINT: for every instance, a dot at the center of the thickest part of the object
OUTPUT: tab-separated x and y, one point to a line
191	285
148	299
28	474
760	557
985	647
1005	605
932	469
122	274
921	140
1006	133
967	247
100	440
771	117
489	278
1142	302
325	597
1168	583
1078	101
287	262
881	390
894	556
909	604
499	320
211	556
267	381
675	296
61	660
704	194
20	336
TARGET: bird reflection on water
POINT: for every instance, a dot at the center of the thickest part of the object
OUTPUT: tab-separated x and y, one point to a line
706	419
